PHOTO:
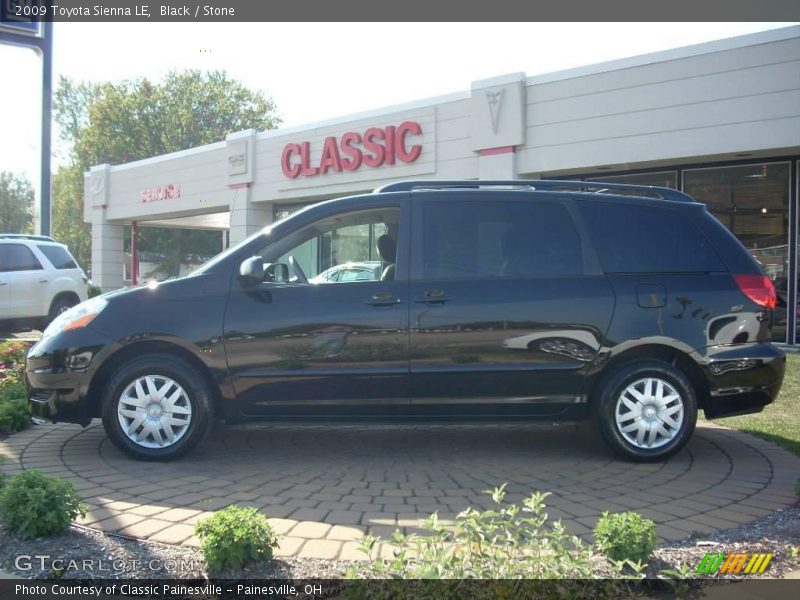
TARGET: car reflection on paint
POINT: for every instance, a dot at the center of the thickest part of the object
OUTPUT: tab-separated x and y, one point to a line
572	343
733	328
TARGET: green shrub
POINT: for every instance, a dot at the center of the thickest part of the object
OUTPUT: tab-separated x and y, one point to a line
508	542
94	290
625	536
14	415
234	537
797	488
35	505
3	476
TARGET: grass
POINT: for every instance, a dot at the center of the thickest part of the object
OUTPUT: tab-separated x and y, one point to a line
780	421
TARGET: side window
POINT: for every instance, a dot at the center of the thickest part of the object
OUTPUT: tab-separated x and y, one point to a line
57	255
16	257
502	238
365	240
647	239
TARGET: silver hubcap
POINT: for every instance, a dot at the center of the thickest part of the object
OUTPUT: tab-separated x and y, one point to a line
154	411
649	413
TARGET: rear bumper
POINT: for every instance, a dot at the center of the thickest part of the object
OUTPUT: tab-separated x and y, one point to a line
742	379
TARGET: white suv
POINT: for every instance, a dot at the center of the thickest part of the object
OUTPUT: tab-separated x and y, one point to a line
38	280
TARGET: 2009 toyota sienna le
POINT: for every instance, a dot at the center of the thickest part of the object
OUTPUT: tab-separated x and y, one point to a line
497	300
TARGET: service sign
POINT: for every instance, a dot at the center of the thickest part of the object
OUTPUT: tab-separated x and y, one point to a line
21	17
161	192
372	148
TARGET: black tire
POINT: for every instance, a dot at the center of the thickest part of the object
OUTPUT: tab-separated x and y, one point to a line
197	396
58	306
635	375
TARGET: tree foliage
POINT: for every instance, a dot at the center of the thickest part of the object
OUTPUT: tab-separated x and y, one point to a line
121	122
16	204
67	214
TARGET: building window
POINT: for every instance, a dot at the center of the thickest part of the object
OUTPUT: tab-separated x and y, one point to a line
662	178
753	202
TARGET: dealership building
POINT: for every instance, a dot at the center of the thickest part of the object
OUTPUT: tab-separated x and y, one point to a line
720	121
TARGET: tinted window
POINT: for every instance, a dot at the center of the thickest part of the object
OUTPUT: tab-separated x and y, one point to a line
16	257
499	239
647	239
59	256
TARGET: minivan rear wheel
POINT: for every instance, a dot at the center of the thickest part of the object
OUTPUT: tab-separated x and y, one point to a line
647	410
157	408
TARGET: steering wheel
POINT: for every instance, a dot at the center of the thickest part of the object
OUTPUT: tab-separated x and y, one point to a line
299	276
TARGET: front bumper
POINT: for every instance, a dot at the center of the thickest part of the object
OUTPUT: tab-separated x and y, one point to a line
58	372
743	379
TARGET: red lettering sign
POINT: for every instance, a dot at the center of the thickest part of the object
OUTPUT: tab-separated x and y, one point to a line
162	192
375	148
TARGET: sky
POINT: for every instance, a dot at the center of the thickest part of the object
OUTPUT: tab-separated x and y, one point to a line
317	71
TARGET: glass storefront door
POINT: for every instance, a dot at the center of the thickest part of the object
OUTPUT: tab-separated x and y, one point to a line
753	202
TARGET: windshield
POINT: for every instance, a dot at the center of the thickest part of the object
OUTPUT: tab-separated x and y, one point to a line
210	264
213	262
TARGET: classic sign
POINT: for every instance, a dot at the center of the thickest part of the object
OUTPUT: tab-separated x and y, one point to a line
376	147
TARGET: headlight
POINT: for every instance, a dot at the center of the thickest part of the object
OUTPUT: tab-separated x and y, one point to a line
76	317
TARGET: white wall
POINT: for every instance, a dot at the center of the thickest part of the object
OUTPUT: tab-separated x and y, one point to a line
736	100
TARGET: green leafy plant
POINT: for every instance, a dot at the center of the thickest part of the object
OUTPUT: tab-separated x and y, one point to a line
35	505
508	542
625	536
3	476
234	537
797	488
13	406
93	290
14	415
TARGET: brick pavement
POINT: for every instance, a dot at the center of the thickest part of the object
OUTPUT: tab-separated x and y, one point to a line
325	487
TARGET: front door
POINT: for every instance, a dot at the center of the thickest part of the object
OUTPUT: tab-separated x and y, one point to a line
508	309
306	344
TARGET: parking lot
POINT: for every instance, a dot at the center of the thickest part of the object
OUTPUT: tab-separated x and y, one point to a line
324	487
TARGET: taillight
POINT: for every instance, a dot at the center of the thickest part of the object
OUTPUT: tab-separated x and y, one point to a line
759	289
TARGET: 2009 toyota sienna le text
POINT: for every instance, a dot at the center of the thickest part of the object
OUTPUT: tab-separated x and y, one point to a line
497	300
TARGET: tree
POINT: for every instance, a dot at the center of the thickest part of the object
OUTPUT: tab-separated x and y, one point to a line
16	204
67	215
121	122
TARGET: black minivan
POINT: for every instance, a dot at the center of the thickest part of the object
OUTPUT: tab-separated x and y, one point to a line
496	300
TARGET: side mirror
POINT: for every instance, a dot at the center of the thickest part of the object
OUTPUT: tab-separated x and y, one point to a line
252	270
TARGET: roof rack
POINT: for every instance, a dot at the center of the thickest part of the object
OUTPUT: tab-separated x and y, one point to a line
26	236
594	187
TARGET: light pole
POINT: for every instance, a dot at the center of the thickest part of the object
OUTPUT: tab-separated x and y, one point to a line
38	36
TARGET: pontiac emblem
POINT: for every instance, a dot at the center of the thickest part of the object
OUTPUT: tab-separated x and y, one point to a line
495	100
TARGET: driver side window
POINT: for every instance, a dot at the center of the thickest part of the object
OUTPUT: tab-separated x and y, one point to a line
354	246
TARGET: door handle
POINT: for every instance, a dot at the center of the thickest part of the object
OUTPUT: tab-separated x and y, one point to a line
3	282
43	281
383	299
433	297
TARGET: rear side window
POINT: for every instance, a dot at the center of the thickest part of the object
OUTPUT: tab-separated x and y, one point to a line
513	239
647	239
57	255
16	257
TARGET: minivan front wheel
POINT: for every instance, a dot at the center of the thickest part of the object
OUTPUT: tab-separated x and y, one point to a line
647	410
157	407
